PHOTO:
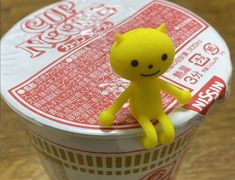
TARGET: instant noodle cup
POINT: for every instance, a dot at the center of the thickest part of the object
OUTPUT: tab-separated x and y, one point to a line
56	74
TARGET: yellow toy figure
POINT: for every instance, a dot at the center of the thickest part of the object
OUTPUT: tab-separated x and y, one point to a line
141	56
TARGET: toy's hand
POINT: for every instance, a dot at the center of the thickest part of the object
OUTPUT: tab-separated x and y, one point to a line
106	118
185	97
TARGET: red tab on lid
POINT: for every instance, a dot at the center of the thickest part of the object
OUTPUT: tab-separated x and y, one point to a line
214	89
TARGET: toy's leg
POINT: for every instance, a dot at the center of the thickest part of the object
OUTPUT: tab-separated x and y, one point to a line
167	135
150	139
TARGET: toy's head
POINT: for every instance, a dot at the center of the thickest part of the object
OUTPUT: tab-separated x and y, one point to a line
143	53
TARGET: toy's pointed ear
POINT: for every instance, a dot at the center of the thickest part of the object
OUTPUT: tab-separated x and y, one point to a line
118	38
162	28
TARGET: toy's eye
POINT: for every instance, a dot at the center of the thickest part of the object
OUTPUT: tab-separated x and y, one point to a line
164	56
134	63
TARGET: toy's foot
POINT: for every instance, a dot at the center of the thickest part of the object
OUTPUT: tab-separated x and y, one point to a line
148	143
167	137
185	97
150	139
106	118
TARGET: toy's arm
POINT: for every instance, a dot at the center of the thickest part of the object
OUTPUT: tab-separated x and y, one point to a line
118	103
107	117
182	96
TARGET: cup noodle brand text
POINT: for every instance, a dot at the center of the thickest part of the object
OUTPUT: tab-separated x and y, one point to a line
63	23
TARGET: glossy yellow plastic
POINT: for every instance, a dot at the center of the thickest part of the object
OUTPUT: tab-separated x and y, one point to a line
141	56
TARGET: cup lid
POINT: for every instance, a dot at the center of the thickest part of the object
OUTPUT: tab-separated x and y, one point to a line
55	67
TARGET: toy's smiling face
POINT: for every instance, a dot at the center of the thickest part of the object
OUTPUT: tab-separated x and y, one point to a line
141	54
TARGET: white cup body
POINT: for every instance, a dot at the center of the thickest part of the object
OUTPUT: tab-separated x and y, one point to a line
68	157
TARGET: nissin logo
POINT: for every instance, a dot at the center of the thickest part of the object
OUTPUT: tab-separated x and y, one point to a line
208	94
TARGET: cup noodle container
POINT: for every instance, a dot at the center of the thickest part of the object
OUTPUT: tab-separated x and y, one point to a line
56	74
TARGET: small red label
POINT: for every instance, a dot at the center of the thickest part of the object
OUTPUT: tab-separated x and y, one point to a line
207	95
211	48
199	60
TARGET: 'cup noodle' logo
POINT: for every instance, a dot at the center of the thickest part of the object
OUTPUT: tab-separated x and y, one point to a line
64	28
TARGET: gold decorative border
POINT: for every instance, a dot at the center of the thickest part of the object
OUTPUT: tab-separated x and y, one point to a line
123	163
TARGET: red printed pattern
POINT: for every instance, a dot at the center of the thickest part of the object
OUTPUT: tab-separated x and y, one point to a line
77	87
160	174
